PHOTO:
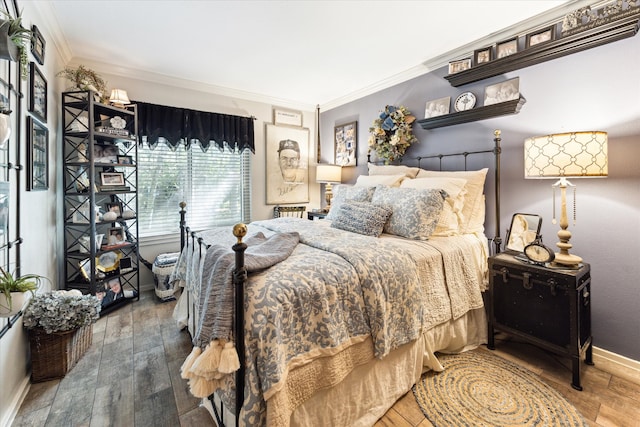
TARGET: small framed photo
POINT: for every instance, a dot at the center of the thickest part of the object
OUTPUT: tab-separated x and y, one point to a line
105	153
112	292
541	36
85	268
115	207
111	178
437	107
282	116
37	93
125	265
37	45
460	65
116	236
506	48
345	143
37	156
482	56
125	160
501	92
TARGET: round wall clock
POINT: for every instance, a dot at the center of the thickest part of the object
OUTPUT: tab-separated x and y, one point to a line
465	101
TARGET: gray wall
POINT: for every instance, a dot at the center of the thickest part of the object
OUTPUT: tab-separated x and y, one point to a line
597	89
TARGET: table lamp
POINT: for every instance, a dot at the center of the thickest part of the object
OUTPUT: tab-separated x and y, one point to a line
119	98
562	156
328	174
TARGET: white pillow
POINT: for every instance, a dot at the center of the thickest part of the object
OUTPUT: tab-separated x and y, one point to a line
372	181
392	170
473	209
451	216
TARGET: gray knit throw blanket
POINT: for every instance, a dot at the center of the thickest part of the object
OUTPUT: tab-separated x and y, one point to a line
216	304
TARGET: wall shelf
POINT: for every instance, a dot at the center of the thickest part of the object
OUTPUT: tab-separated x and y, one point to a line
587	39
479	113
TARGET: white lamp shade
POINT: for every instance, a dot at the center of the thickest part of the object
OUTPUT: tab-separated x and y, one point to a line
328	173
573	154
119	96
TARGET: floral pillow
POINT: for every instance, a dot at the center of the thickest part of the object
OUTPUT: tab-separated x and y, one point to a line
362	218
415	210
342	193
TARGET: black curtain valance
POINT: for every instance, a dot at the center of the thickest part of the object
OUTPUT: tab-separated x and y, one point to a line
177	126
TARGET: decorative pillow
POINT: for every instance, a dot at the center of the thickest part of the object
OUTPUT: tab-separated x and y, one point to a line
392	170
362	218
473	209
415	211
373	180
451	216
342	193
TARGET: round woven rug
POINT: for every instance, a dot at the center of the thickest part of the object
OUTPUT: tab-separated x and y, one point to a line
478	389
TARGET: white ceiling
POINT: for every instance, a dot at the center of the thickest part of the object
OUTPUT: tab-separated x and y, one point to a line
303	52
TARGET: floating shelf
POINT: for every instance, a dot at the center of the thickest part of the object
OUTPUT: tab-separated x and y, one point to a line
597	36
479	113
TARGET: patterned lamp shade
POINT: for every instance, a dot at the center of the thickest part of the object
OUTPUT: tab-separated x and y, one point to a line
573	154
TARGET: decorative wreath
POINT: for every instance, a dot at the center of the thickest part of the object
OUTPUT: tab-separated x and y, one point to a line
391	133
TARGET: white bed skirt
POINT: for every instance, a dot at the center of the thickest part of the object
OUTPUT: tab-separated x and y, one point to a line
370	390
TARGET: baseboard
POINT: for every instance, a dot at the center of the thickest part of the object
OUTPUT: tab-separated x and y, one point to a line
616	364
16	403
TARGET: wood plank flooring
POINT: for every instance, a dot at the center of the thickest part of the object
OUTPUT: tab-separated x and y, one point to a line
130	377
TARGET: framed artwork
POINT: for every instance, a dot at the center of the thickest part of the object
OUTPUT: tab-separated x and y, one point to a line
460	65
37	156
115	207
501	92
541	36
482	56
111	178
37	45
37	93
283	116
287	164
345	144
437	107
506	48
125	160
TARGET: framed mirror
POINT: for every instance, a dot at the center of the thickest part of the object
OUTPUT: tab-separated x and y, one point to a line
523	230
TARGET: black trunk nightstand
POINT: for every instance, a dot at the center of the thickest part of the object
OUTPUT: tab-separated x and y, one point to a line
548	307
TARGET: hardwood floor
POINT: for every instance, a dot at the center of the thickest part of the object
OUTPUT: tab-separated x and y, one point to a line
130	377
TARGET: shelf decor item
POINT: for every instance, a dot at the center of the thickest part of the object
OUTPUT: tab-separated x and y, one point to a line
38	156
83	78
13	40
391	133
60	325
13	289
561	156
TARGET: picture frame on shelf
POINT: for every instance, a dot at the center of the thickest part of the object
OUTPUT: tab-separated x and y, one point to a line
507	48
502	92
116	236
108	179
437	107
37	93
111	292
482	56
459	65
345	144
125	160
85	268
283	116
543	35
107	153
38	44
125	265
115	207
37	156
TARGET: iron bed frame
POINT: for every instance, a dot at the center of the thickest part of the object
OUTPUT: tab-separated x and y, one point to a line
240	273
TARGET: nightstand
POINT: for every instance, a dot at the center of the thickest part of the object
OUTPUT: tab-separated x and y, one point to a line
548	307
314	216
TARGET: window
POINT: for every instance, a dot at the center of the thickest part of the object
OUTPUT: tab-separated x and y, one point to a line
215	185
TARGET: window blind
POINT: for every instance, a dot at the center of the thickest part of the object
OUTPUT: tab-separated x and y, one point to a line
216	185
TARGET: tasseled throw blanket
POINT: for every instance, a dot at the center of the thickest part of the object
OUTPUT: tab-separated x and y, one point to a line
214	354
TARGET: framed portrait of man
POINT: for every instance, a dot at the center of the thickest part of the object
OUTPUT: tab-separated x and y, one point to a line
287	164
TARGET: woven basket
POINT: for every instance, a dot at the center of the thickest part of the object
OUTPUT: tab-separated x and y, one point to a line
53	355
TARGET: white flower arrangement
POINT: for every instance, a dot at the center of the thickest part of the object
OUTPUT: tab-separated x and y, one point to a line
61	311
391	133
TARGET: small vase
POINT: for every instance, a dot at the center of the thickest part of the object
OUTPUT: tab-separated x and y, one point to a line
8	309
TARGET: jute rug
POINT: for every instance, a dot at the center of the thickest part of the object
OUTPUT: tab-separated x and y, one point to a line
478	389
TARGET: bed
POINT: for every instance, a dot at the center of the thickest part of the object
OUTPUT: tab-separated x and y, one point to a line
344	313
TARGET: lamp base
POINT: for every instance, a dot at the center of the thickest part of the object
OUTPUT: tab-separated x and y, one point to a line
567	259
